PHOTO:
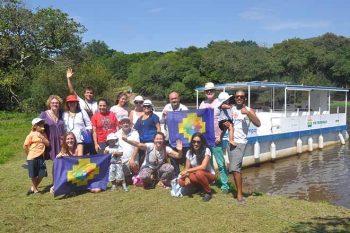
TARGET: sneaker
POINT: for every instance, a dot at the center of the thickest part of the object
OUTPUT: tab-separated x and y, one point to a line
52	190
125	187
30	191
114	187
207	197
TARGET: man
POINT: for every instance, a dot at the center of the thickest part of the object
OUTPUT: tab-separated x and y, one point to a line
129	157
218	149
88	104
242	117
174	105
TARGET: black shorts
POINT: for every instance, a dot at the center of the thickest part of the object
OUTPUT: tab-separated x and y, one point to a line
37	167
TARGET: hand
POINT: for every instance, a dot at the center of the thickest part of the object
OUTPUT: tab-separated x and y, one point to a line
178	145
244	110
187	181
125	138
227	124
69	72
97	148
217	140
132	164
184	173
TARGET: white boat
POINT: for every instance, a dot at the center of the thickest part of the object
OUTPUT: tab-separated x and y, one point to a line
294	118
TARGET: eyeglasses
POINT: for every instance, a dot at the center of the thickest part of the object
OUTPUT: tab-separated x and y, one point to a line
239	97
196	142
209	91
138	102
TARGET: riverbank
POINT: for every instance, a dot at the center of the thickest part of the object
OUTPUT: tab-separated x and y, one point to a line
145	210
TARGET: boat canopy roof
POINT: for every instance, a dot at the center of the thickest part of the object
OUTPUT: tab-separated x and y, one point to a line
261	85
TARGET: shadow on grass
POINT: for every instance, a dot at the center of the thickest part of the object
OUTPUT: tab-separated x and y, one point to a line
329	224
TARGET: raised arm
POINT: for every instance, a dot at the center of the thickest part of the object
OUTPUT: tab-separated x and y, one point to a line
252	116
176	154
139	145
69	81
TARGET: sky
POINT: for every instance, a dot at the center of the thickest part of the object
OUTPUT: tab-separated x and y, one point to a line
164	25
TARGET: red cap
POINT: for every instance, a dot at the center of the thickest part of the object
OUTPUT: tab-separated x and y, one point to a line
72	98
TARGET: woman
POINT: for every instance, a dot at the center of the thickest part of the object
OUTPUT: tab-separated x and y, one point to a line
70	146
120	107
198	170
155	167
138	110
54	125
147	126
103	123
78	122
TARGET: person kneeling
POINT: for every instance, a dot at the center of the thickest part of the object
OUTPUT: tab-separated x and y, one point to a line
198	170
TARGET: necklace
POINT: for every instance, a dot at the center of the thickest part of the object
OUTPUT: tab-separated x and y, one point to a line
70	127
52	115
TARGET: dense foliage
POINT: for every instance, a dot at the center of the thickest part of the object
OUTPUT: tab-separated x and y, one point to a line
36	47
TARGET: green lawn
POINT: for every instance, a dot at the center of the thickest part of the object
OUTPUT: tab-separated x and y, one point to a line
144	210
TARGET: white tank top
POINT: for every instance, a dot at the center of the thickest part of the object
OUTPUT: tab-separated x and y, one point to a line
241	123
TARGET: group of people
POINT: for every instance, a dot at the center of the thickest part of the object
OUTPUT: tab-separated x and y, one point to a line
135	141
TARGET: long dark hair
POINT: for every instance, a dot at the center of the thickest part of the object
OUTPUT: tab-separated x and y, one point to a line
201	152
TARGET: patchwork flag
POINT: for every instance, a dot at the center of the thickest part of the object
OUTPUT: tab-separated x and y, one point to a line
183	124
75	173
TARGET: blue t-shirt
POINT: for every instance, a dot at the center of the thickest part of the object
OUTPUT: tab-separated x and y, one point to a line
147	128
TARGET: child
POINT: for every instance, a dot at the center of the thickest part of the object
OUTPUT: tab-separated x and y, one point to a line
225	115
116	173
34	146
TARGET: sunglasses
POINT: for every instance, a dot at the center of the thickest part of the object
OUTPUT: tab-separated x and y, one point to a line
196	142
239	97
209	91
147	106
138	102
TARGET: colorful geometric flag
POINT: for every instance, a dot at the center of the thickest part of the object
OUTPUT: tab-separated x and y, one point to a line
183	124
73	173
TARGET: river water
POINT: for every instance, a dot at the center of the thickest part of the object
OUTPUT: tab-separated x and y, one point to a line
321	175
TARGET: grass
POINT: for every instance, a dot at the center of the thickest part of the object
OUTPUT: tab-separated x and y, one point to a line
147	210
14	127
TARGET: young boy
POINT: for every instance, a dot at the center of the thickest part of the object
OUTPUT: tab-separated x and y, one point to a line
34	146
225	115
116	173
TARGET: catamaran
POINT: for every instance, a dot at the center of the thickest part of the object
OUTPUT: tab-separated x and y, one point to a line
294	118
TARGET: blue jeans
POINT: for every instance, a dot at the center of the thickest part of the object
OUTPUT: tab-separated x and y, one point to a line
218	152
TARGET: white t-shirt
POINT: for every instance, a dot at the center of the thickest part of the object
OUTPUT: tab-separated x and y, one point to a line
113	150
127	149
169	108
193	160
76	123
154	159
241	123
88	106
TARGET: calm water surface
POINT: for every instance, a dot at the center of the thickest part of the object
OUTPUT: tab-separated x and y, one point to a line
317	176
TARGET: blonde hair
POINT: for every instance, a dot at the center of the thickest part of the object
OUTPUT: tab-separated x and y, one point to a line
51	97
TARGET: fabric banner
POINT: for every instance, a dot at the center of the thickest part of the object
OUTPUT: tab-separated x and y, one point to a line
183	124
75	173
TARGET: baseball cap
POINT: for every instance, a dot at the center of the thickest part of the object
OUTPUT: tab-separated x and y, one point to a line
223	96
36	120
72	98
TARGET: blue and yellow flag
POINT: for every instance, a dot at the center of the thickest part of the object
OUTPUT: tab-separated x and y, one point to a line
183	124
75	173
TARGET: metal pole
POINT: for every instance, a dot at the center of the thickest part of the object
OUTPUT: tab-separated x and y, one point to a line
249	96
309	102
346	103
197	99
285	102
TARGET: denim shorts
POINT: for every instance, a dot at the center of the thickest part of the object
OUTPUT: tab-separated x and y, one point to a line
37	167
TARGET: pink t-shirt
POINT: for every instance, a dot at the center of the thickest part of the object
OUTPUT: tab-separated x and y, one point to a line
213	105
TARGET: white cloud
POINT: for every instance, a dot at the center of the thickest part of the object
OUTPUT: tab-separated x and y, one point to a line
155	10
255	14
294	25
